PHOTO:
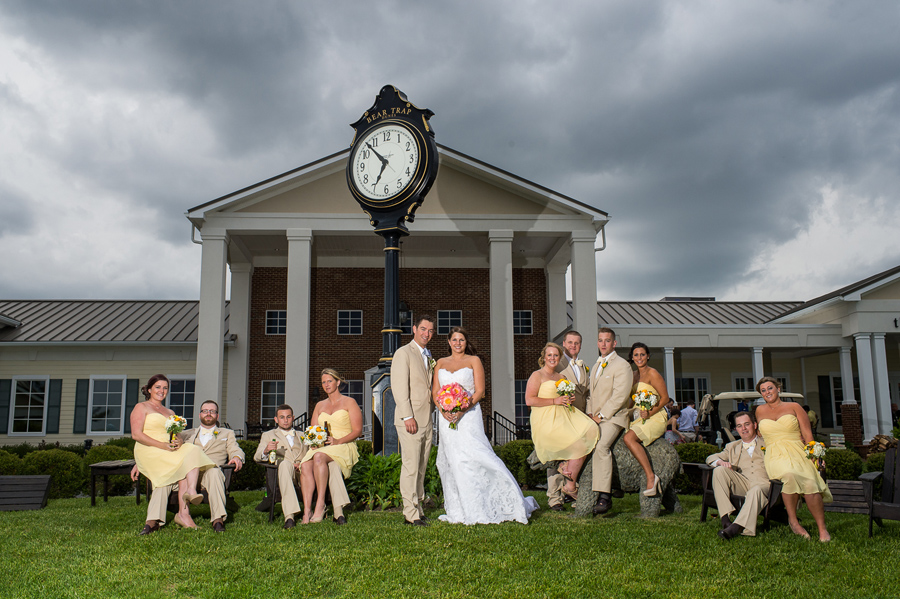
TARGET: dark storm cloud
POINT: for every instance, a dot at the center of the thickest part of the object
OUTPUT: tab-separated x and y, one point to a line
706	130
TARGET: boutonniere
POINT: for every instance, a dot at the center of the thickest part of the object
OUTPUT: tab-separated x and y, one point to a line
216	433
431	363
603	365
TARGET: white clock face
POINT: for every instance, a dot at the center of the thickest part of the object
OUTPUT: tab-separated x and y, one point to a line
385	162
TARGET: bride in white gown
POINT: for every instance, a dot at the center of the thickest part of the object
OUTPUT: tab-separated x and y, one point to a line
478	488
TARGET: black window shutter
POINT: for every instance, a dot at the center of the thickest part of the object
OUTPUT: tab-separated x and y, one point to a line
5	390
826	409
53	406
82	388
132	390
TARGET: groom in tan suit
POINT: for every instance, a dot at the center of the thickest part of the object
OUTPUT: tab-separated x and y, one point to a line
289	450
221	447
411	372
609	404
576	371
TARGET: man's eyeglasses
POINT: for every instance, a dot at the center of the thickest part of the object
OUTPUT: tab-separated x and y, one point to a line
209	411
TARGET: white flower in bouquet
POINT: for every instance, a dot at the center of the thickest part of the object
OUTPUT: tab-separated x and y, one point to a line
644	400
565	387
315	436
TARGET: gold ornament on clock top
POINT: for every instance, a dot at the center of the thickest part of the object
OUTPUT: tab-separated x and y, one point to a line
387	163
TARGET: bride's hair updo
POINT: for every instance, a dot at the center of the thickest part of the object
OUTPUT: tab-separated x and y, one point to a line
145	390
544	352
470	348
333	374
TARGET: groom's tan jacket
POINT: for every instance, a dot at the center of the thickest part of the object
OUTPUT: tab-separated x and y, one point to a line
611	389
411	386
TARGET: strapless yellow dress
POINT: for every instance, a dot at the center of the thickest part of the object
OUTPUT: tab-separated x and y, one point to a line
163	467
786	458
345	454
560	433
655	427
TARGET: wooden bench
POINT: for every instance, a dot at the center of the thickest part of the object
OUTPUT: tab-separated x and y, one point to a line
849	497
24	492
110	468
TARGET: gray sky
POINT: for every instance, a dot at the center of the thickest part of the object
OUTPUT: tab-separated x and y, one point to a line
745	150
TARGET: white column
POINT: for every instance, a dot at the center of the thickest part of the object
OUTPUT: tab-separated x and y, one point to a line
584	292
866	385
758	371
882	384
211	325
501	306
556	300
296	351
669	373
234	411
847	377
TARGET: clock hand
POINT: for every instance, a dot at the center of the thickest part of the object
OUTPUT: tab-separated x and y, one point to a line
383	160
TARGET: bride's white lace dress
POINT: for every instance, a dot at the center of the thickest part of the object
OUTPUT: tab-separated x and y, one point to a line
478	488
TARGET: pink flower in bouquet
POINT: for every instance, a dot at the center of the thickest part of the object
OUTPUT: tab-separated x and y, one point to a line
452	399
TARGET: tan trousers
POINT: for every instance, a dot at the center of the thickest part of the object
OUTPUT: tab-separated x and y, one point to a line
726	481
211	479
555	483
414	453
290	503
602	462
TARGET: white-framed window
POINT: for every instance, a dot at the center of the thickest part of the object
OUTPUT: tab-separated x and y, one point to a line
271	397
447	319
744	381
522	322
356	390
106	404
523	412
691	387
276	322
837	396
406	322
28	405
181	397
349	322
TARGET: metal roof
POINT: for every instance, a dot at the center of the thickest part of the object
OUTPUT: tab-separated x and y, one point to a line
100	321
688	313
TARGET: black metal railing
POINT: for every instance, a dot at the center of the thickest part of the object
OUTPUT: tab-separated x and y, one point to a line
505	430
301	422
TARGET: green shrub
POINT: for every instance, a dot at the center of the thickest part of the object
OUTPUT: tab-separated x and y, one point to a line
126	442
10	463
76	448
842	464
120	484
875	462
515	455
363	447
375	481
695	453
251	476
433	487
66	468
21	450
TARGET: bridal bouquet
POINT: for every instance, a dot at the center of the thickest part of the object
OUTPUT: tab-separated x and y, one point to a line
315	436
644	400
174	425
565	387
452	399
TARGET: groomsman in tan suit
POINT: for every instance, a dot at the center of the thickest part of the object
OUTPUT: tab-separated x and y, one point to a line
289	450
411	372
609	404
576	371
740	469
221	447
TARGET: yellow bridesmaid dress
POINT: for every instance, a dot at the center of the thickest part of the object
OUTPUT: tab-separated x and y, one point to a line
164	467
786	458
560	433
345	454
655	427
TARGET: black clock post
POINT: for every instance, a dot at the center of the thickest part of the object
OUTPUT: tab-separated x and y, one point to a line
393	163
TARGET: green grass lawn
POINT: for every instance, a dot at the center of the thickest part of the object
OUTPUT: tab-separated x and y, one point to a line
70	549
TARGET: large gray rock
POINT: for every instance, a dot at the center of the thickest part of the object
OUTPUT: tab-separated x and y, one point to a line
666	464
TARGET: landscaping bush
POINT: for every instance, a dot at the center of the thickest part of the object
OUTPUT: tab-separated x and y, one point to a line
375	481
21	450
363	447
433	487
251	476
696	453
842	464
10	463
875	462
126	442
120	484
66	468
515	455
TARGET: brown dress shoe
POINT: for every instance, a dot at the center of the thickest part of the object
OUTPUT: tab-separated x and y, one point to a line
340	520
218	526
148	528
732	531
289	523
602	506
